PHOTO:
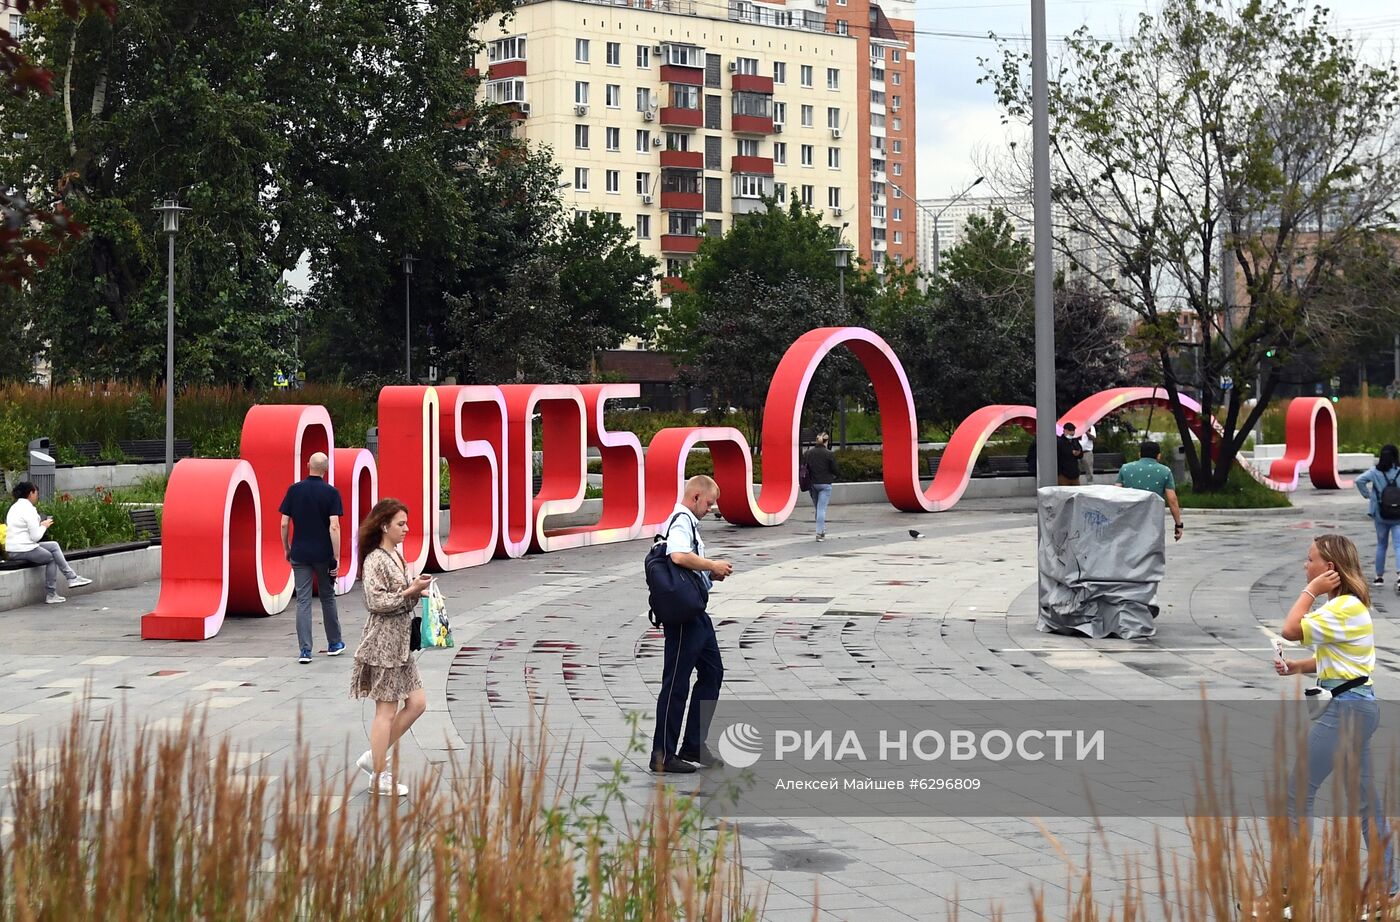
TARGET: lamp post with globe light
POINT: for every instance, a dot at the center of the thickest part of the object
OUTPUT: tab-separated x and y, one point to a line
169	211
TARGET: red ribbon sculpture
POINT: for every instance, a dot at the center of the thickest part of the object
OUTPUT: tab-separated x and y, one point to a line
222	549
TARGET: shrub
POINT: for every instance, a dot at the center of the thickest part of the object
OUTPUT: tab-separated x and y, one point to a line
1241	492
83	521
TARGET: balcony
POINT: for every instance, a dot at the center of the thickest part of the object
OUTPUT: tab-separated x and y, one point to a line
751	124
680	243
759	166
751	83
671	284
683	159
690	76
671	117
682	201
740	206
503	69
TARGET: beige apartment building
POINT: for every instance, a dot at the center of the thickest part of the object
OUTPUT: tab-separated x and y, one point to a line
675	117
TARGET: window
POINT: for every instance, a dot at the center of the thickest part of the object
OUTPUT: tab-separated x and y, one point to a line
580	214
674	267
18	30
877	120
780	192
897	124
581	137
807	193
684	55
877	142
677	140
612	95
895	103
684	223
505	91
806	155
833	78
612	182
714	194
877	211
833	117
643	183
644	56
780	153
897	146
748	147
877	52
779	113
877	73
895	78
714	112
581	178
897	193
614	53
503	49
896	55
746	66
877	189
843	27
714	152
758	104
748	186
899	214
643	99
614	138
806	74
833	196
877	97
614	216
684	96
643	227
833	158
779	72
806	116
680	181
643	141
581	50
580	92
899	236
899	169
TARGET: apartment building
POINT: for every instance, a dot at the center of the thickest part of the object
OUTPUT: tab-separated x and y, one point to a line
675	117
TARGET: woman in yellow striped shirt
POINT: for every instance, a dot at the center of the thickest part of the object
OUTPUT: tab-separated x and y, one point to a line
1343	641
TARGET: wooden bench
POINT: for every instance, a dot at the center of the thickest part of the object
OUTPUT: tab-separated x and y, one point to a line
88	451
152	451
146	523
1001	466
1106	462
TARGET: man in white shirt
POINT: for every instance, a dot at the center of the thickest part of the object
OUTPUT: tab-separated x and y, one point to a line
24	532
692	647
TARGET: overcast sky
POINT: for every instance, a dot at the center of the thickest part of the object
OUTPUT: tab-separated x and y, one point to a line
958	118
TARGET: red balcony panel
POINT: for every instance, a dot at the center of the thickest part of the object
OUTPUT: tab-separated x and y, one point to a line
752	83
683	201
673	283
691	76
505	69
473	72
676	243
762	166
683	159
752	124
682	118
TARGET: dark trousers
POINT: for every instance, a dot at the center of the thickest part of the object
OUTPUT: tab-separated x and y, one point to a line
325	584
693	648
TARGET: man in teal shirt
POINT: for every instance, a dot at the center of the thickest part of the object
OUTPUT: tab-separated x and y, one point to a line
1150	474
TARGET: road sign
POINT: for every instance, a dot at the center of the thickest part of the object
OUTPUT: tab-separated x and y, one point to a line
1226	382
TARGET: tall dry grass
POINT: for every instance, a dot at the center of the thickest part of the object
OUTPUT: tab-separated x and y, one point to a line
166	828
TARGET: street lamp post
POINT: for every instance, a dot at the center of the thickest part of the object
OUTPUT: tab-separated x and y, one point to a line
939	214
170	223
408	262
842	256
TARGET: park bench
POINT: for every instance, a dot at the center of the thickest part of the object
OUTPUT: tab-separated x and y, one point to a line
152	451
146	523
1001	466
1106	462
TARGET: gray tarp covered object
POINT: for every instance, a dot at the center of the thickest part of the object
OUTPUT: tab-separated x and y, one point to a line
1102	554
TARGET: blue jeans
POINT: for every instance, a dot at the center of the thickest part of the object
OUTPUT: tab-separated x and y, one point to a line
692	648
1387	532
1351	719
50	556
821	496
325	584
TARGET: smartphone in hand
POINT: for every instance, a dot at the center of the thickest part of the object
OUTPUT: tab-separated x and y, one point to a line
1278	652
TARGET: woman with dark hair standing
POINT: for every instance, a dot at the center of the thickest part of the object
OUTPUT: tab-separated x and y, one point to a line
24	540
1383	509
384	668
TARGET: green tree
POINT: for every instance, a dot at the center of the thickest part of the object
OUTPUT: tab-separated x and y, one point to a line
1253	129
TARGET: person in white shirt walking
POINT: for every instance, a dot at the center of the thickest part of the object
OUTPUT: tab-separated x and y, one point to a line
24	533
1086	460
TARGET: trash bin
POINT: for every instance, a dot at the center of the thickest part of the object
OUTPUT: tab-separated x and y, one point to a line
41	467
1177	462
1102	553
372	441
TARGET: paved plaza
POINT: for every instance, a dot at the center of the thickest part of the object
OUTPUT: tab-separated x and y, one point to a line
871	613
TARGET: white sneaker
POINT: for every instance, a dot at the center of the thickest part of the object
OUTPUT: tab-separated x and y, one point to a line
54	599
386	786
365	763
78	582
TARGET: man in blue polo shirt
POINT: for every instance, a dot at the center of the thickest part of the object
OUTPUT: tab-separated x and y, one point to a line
312	510
1148	473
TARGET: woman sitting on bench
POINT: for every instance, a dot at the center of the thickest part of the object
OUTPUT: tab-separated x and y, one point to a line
24	531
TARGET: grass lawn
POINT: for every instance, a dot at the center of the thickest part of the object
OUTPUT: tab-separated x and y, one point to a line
1241	492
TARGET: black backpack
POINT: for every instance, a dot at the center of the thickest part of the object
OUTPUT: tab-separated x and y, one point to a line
1389	506
676	596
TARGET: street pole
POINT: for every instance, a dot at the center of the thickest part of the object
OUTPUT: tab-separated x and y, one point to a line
1045	412
170	356
841	288
407	323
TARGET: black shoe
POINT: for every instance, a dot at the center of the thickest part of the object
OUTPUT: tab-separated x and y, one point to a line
670	765
702	757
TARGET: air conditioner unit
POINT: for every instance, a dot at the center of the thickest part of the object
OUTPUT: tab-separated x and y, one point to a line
648	116
655	142
524	108
777	127
733	66
656	49
874	196
580	110
836	212
646	199
836	133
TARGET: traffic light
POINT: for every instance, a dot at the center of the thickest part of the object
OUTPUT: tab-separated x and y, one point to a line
1336	399
1270	353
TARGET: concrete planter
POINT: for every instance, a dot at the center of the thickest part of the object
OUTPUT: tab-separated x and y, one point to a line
120	570
86	479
